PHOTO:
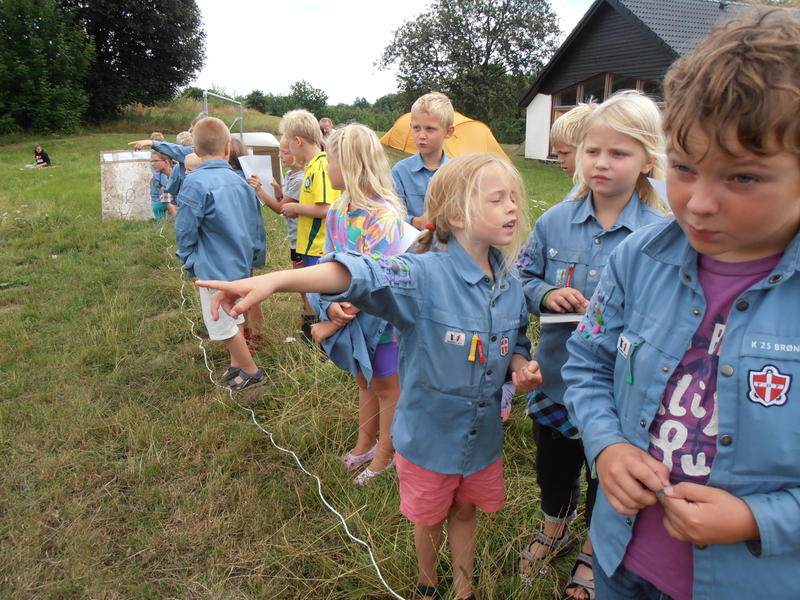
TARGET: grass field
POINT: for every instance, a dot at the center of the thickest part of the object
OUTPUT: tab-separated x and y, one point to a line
128	474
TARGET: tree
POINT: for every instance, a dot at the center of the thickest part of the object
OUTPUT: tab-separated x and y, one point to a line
44	58
481	53
144	50
303	95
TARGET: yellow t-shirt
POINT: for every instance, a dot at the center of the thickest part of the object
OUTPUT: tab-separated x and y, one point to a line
316	189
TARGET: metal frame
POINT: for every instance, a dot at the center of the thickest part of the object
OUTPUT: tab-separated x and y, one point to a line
239	119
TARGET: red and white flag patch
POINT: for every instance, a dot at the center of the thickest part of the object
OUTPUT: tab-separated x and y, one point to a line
769	386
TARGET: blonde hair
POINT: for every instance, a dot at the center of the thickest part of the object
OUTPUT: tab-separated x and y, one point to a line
184	138
157	136
210	137
567	129
192	161
745	75
436	104
364	166
455	191
636	116
301	123
237	149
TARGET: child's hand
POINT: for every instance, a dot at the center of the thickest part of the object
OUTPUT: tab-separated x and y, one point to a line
701	514
290	209
254	182
139	144
341	313
252	290
566	299
527	378
630	477
323	330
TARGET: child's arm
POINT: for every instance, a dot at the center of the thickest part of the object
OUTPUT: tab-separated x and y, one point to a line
525	374
327	278
273	203
315	211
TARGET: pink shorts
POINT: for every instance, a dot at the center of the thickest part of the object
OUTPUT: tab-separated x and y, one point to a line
426	497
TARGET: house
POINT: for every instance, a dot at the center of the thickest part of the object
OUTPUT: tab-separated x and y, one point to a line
619	44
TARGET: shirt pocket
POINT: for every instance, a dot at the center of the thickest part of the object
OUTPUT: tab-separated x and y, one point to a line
446	352
566	265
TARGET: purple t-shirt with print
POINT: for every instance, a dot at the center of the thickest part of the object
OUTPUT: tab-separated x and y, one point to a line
683	434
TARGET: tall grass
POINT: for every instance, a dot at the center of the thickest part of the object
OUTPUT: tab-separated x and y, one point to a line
127	474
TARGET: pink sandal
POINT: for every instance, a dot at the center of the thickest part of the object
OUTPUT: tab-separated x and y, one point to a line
353	461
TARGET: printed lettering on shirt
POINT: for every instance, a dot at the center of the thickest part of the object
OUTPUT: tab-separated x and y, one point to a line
457	338
623	345
715	344
504	346
768	386
770	346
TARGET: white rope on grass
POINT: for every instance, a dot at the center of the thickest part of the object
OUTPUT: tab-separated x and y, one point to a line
265	431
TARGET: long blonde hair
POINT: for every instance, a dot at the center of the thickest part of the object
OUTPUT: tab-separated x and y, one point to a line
455	191
637	116
364	166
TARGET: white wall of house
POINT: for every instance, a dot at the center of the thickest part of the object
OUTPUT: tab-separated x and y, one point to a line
537	127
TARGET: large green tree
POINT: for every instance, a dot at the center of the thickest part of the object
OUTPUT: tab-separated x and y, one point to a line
44	57
481	53
145	50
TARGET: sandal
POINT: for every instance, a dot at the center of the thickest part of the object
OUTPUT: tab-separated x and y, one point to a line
368	474
248	380
427	591
353	461
555	547
579	582
229	374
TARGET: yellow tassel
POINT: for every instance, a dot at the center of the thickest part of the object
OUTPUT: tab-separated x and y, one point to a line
472	347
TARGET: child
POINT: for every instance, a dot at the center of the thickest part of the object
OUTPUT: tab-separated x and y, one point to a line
561	264
191	162
453	357
176	152
565	135
237	149
220	234
682	376
40	157
431	124
300	127
161	166
368	218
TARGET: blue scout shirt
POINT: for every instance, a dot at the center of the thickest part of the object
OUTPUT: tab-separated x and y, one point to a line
178	153
448	416
568	236
219	228
652	303
411	178
157	185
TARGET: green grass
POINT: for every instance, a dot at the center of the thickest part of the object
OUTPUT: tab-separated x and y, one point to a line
128	475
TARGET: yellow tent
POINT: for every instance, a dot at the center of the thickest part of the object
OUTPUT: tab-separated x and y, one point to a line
469	136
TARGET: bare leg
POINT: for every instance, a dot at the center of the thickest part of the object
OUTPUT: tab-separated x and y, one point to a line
254	318
172	210
240	356
461	537
387	390
368	414
427	540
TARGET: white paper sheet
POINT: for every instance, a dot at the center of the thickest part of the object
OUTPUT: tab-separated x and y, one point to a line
260	165
410	235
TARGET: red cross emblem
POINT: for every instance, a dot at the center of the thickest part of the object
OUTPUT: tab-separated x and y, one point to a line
769	386
504	346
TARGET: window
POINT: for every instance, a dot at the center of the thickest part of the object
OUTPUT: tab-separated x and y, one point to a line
594	88
652	89
621	82
568	97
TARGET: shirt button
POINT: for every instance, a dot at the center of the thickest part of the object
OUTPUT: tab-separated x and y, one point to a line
593	272
481	404
742	305
494	338
473	432
775	278
726	370
628	521
687	277
486	280
596	240
643	423
489	372
700	546
665	368
725	440
696	312
494	302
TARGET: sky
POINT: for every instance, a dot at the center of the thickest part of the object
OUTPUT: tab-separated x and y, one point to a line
267	46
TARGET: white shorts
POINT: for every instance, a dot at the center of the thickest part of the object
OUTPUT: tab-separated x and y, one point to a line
223	329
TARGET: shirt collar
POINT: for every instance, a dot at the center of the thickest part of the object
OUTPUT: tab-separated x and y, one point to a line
629	218
466	267
417	164
215	164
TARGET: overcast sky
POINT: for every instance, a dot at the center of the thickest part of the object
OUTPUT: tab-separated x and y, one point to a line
267	46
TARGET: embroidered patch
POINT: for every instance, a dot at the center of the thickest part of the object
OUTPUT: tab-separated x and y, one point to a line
552	252
623	345
504	346
456	338
768	386
307	183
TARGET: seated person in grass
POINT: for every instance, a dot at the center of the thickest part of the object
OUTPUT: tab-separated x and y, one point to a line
40	158
220	234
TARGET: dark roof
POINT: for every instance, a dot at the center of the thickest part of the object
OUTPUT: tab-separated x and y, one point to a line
676	26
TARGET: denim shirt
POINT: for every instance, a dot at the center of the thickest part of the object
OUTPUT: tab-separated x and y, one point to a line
448	416
179	153
411	179
568	236
650	299
157	184
219	228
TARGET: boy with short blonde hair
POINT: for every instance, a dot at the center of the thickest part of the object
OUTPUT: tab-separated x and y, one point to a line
220	235
432	118
565	135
